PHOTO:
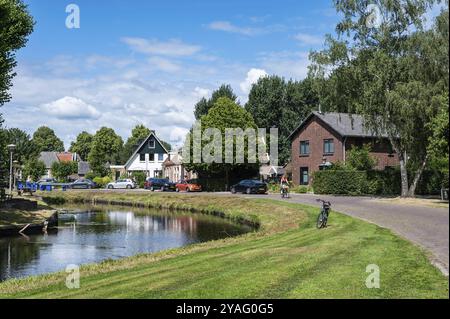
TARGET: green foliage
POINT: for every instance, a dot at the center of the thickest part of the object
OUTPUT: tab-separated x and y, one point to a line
45	140
106	148
204	105
102	181
273	102
3	158
16	25
34	169
223	115
300	189
138	134
25	148
359	158
61	170
82	146
340	182
139	178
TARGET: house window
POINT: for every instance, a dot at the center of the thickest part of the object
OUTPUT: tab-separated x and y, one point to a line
304	148
142	157
328	146
151	144
151	157
304	176
160	157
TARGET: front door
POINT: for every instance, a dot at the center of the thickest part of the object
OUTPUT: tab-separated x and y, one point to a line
304	176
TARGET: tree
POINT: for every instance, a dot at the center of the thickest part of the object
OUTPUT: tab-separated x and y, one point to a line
34	169
273	102
46	140
138	134
359	158
204	105
224	114
106	148
61	170
82	145
15	26
25	148
393	73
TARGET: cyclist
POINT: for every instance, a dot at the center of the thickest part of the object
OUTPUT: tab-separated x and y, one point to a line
284	186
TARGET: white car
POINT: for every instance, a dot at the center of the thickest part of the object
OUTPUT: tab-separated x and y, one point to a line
121	183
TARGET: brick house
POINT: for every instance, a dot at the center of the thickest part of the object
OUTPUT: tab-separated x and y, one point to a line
325	138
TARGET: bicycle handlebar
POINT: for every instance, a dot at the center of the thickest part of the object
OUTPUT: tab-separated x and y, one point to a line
324	202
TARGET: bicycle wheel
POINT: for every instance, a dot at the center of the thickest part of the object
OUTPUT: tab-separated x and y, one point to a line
321	220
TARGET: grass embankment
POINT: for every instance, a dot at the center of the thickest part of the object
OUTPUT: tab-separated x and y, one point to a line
17	217
286	258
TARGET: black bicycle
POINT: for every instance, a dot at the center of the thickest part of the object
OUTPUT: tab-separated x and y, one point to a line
322	219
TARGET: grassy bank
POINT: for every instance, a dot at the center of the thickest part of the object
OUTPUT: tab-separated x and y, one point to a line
16	217
286	258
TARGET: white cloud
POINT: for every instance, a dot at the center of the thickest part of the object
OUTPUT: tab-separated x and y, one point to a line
164	64
201	92
286	63
229	27
308	39
252	77
172	47
70	108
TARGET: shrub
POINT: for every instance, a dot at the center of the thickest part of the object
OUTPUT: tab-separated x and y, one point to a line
343	182
102	181
139	177
34	168
359	158
61	170
301	189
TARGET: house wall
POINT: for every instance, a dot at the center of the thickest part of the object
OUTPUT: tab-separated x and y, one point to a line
146	166
316	131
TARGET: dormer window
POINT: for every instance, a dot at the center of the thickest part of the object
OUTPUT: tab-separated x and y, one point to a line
151	143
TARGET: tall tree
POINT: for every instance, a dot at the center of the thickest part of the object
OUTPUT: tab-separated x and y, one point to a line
391	72
82	145
273	102
223	115
15	26
106	148
138	134
46	140
25	148
204	105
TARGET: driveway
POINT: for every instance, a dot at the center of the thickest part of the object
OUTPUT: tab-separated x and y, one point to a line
426	226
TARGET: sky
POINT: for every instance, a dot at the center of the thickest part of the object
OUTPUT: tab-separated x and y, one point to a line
149	62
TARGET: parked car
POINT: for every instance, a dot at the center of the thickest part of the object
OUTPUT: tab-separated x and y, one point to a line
191	185
159	183
122	183
83	184
249	186
46	181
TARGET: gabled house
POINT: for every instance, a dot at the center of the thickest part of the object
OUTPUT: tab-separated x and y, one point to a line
174	170
148	157
325	138
51	157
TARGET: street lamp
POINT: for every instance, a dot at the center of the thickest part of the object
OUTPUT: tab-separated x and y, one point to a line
11	148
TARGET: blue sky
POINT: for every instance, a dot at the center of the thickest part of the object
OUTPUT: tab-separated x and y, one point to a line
148	62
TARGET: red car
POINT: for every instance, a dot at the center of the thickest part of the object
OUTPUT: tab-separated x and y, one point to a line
188	186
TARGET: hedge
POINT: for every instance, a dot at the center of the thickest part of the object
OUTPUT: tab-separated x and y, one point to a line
387	182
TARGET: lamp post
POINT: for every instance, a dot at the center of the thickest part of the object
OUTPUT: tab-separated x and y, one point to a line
11	148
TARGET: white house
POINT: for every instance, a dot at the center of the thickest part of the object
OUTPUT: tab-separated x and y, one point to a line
148	157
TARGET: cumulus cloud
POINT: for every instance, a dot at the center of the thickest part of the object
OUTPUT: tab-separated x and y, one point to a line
70	108
252	77
163	64
172	47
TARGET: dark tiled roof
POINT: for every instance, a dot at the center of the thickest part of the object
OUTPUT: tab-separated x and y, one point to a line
344	124
48	158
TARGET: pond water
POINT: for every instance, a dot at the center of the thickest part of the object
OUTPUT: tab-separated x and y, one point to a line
93	234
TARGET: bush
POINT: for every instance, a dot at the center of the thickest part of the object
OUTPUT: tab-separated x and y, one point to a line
340	182
101	181
139	177
301	189
35	169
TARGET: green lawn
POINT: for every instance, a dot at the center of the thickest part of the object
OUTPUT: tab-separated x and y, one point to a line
287	258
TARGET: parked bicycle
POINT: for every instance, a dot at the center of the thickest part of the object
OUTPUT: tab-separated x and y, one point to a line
322	219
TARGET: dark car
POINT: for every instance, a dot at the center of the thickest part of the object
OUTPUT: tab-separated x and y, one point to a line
249	186
83	184
159	183
46	181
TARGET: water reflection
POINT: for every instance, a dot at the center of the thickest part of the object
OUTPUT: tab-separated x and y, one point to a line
93	235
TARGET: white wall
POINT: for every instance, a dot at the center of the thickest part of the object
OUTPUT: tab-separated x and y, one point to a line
146	166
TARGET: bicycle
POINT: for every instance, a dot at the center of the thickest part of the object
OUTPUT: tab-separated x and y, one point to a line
284	192
322	219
